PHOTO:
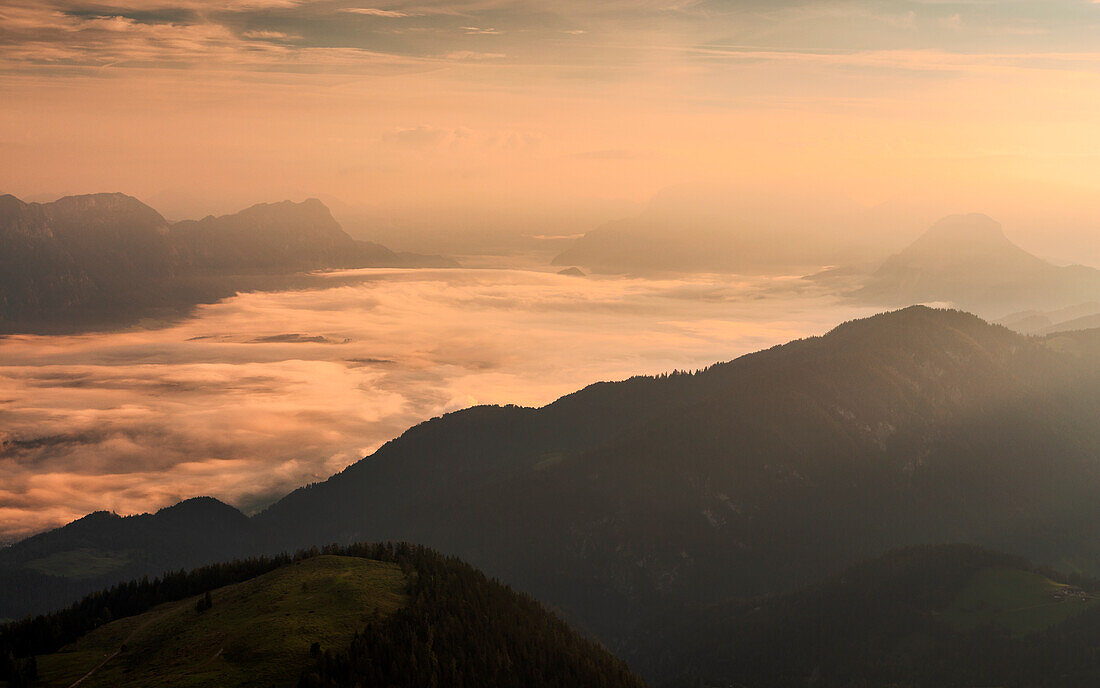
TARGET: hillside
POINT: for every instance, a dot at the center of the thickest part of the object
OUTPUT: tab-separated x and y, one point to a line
372	615
626	500
256	633
103	260
921	617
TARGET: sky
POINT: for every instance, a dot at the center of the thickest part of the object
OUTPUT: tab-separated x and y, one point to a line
265	392
491	110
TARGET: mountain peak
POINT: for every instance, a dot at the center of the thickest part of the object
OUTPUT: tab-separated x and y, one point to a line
108	202
311	207
200	505
958	237
923	328
104	210
967	261
969	231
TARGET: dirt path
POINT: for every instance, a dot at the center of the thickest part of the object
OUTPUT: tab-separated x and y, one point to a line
116	654
209	659
81	679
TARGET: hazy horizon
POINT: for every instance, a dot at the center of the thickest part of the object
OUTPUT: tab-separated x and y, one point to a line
454	116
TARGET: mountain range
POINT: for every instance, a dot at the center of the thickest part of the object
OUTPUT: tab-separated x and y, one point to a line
624	502
964	261
101	260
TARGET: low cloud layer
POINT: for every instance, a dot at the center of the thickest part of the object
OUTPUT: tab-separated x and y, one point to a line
264	392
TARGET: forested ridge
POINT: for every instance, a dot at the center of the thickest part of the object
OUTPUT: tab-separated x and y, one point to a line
462	629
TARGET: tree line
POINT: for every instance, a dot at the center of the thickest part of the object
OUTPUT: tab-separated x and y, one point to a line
459	629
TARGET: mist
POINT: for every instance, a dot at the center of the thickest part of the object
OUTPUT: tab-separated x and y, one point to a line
264	392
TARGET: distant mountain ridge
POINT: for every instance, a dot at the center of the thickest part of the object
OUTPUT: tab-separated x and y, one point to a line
279	236
967	261
624	500
109	258
963	261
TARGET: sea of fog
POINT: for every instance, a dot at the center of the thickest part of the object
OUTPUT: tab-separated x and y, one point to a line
258	394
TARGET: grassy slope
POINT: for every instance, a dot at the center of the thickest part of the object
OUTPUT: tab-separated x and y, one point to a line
1020	601
258	632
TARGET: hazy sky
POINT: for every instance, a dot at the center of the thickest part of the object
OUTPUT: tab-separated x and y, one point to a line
974	105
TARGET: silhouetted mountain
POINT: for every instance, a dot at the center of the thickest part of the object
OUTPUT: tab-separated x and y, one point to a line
277	236
625	500
967	261
365	615
934	617
109	258
59	257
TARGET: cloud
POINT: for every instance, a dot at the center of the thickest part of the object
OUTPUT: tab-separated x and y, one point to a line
133	421
270	35
472	55
471	30
374	12
339	36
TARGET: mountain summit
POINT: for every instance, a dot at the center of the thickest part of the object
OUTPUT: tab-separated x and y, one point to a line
277	236
965	242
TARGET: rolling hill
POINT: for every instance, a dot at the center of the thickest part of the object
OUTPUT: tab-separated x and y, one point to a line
373	615
624	501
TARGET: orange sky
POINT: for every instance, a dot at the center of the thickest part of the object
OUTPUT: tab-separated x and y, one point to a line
404	106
